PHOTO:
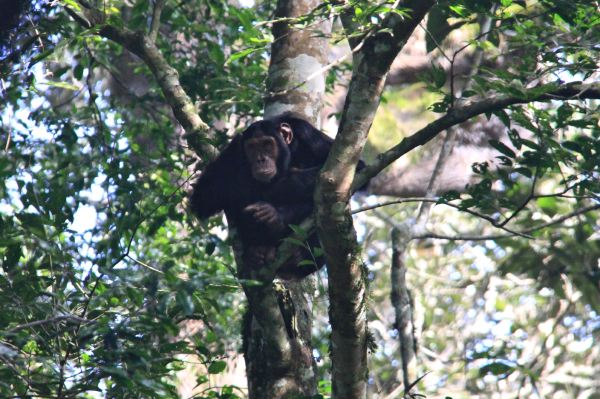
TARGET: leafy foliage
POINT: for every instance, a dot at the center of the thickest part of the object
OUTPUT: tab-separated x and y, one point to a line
103	271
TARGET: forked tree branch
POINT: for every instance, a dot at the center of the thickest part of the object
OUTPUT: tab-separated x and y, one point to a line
347	288
167	77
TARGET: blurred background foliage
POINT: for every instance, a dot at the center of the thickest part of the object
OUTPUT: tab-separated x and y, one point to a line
110	288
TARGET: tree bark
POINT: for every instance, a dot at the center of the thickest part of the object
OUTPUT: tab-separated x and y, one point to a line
277	346
277	337
296	80
403	309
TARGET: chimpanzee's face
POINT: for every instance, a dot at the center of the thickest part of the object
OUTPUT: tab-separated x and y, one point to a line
262	153
266	148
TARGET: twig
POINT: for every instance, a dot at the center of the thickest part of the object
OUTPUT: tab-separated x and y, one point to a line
563	218
57	319
469	211
523	233
155	24
500	236
530	196
147	266
394	202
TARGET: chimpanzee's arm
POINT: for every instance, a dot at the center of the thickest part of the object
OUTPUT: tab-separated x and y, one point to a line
213	191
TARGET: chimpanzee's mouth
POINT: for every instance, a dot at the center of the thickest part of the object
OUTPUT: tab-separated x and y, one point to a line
264	175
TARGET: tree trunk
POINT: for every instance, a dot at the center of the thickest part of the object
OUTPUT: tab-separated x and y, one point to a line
277	347
277	333
403	308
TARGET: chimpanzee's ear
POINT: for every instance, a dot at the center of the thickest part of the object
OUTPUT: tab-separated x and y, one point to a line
286	132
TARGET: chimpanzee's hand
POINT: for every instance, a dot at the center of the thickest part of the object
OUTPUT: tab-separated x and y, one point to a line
266	213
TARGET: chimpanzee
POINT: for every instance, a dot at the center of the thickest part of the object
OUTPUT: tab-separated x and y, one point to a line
264	181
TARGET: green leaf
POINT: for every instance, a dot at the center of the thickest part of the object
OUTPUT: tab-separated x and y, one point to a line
503	148
460	10
60	85
496	368
439	75
548	204
318	251
573	146
41	56
300	232
503	116
184	300
582	123
530	144
294	241
563	113
437	28
524	171
78	72
203	379
12	256
242	54
306	262
72	4
32	223
216	367
210	247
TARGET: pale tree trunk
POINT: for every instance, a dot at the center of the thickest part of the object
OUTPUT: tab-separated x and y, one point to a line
403	309
296	81
277	337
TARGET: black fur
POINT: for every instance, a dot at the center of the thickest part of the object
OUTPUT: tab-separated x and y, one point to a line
227	185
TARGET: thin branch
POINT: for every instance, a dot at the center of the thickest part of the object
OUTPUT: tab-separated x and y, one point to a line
435	236
437	44
147	266
155	25
459	114
68	318
530	196
501	236
469	211
523	233
562	218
